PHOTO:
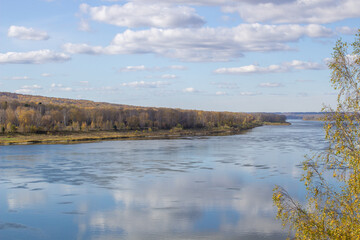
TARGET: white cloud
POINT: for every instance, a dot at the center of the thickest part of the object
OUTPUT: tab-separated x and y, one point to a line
24	91
46	74
168	76
35	86
133	68
24	33
144	68
17	78
33	57
351	59
299	11
60	87
27	89
301	65
284	67
142	84
249	93
220	93
206	2
84	25
83	48
270	85
204	44
189	90
250	69
177	67
144	15
346	30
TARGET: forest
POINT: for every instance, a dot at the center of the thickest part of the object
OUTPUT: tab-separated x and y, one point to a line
37	114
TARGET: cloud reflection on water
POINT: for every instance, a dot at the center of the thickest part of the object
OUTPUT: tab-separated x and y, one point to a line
183	207
197	188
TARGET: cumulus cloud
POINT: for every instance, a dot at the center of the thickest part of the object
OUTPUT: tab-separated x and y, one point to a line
249	93
24	33
24	91
33	57
270	85
156	68
84	25
35	86
349	58
220	93
284	67
250	69
177	67
281	11
144	15
142	84
27	89
17	78
204	44
133	68
189	90
208	2
60	87
301	65
346	30
83	48
299	11
169	76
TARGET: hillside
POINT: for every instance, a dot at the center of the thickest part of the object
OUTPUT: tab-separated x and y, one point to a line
37	114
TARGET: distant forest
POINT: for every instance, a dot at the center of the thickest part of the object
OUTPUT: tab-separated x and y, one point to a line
36	114
309	116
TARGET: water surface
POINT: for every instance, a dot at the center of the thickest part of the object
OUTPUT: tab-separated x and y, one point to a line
191	188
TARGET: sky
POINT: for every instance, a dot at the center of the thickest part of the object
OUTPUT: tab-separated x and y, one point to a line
217	55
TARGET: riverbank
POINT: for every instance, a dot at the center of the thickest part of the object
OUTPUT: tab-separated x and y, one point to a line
91	136
78	137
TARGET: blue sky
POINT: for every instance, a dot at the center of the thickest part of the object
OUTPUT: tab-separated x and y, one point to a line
222	55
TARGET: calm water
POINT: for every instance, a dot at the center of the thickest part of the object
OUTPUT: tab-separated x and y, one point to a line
193	188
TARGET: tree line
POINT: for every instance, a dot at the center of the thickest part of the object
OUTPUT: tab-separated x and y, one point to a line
23	114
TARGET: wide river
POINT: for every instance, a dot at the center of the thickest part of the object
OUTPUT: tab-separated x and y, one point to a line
193	188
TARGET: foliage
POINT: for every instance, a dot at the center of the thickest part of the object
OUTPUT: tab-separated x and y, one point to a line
332	178
25	113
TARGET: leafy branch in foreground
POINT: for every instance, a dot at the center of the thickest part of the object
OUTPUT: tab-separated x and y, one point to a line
332	210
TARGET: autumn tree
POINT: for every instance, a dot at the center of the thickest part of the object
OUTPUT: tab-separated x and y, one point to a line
332	179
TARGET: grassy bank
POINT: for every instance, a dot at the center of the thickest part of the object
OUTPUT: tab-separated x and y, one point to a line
91	136
74	137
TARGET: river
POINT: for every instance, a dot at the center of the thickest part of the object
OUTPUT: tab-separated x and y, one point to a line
217	187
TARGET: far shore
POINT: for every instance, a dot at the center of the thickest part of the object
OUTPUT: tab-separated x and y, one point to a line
93	136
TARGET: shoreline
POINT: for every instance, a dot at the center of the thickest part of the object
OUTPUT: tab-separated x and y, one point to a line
96	136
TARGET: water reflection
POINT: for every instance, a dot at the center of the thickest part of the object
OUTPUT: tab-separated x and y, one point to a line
217	205
194	188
